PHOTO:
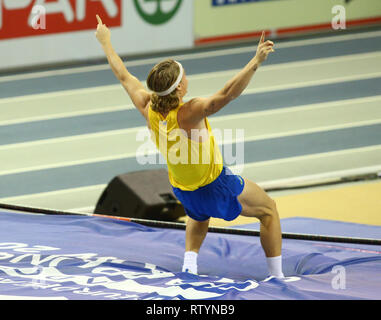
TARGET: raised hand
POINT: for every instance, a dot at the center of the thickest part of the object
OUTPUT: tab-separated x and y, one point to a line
264	48
103	34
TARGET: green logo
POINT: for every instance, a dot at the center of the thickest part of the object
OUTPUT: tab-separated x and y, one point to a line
159	16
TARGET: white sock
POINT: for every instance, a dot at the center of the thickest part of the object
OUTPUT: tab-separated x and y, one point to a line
190	262
275	266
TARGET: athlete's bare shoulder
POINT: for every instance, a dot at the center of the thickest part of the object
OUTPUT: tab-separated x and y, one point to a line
189	117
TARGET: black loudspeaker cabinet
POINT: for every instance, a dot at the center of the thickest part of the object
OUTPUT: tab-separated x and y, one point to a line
143	195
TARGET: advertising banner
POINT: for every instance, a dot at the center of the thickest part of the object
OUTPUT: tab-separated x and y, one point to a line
219	21
36	32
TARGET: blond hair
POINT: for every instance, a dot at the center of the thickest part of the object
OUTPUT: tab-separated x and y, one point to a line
161	78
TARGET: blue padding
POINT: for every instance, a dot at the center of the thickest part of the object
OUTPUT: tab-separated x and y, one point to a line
323	227
74	257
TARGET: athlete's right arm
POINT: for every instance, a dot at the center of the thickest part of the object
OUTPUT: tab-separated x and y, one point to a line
135	89
199	108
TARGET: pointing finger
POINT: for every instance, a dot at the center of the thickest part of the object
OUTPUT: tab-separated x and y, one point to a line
99	20
262	37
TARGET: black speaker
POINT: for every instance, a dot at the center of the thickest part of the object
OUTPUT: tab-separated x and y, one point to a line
142	194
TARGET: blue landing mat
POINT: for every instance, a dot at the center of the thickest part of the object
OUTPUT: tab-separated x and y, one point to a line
323	227
75	257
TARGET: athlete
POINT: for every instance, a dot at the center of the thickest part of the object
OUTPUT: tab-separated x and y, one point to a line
205	188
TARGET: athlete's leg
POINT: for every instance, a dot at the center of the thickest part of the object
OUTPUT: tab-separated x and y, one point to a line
194	236
256	203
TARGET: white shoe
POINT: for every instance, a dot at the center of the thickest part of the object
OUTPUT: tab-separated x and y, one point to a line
190	269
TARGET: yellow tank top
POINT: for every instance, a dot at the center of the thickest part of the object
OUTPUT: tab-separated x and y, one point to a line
191	164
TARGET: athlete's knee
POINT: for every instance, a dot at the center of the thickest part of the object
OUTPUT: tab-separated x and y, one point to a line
273	206
263	208
269	210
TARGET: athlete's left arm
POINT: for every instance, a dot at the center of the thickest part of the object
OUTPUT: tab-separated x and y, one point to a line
135	89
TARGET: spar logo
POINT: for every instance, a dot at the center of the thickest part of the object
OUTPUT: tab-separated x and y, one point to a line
24	18
35	271
157	12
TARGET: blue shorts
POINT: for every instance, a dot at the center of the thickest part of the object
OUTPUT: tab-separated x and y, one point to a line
217	199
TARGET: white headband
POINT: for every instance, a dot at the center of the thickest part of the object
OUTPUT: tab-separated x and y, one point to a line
174	86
